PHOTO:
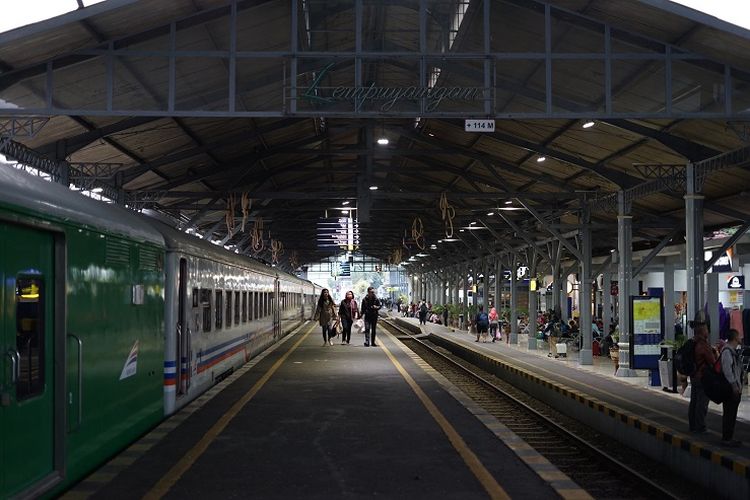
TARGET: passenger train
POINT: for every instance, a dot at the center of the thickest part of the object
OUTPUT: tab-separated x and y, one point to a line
111	321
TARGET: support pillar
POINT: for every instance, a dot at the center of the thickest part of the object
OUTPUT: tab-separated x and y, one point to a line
513	302
533	305
669	301
606	304
474	274
712	301
625	272
693	245
584	296
485	285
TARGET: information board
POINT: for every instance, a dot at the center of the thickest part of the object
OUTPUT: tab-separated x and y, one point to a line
648	331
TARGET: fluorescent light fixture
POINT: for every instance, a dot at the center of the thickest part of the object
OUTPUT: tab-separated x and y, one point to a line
383	141
472	223
490	213
541	159
450	239
373	188
344	202
588	124
509	202
422	254
508	209
433	247
97	190
345	211
460	230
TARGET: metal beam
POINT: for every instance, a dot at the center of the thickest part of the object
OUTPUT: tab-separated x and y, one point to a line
731	241
655	251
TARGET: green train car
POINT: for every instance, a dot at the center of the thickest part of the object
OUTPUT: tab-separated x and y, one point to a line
89	362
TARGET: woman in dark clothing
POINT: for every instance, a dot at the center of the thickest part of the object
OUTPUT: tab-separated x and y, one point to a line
348	312
325	313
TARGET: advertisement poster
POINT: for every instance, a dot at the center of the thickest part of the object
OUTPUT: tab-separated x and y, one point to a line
648	331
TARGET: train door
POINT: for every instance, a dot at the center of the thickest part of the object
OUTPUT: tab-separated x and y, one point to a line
27	427
276	309
183	331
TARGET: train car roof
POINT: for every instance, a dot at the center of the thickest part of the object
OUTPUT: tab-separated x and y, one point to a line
23	190
177	240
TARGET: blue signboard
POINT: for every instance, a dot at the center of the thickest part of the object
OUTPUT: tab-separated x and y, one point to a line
647	325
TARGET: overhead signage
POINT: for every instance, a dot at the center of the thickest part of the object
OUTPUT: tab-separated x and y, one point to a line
479	125
736	282
723	264
521	271
388	95
338	232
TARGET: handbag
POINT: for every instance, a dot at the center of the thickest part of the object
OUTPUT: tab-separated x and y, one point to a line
358	326
333	330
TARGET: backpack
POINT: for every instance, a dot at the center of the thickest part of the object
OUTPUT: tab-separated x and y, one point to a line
483	319
684	358
423	309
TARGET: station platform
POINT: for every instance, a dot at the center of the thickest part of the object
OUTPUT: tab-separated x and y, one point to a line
303	420
626	408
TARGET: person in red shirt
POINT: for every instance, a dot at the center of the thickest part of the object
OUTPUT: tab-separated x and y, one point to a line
705	355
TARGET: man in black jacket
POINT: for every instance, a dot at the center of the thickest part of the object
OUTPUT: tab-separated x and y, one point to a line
370	307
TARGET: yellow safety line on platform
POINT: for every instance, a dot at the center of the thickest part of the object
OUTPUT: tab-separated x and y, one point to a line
472	461
175	473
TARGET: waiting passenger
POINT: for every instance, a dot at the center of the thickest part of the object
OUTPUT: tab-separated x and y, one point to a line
482	322
494	324
325	313
704	356
348	312
370	307
423	310
731	366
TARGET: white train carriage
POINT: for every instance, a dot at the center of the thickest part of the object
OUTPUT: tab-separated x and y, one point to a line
221	309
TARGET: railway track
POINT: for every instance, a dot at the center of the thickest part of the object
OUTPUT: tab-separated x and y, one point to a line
568	444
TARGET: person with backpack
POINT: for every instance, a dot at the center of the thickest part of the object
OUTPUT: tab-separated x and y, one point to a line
482	321
704	356
731	367
423	310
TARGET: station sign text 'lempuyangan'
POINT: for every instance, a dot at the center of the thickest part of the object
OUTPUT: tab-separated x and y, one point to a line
389	95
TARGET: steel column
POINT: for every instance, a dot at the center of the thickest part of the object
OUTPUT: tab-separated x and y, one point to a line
669	301
624	268
693	243
513	302
606	304
584	292
712	303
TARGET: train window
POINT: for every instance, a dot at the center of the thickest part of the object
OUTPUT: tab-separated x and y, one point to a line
205	302
219	309
244	307
236	308
30	336
228	317
256	300
195	297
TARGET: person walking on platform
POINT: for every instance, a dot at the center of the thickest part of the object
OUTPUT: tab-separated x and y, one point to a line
731	366
325	313
348	312
445	315
552	332
704	356
370	307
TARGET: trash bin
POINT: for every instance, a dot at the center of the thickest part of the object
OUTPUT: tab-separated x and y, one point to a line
666	373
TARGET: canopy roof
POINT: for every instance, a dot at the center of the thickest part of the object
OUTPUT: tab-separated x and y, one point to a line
215	113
